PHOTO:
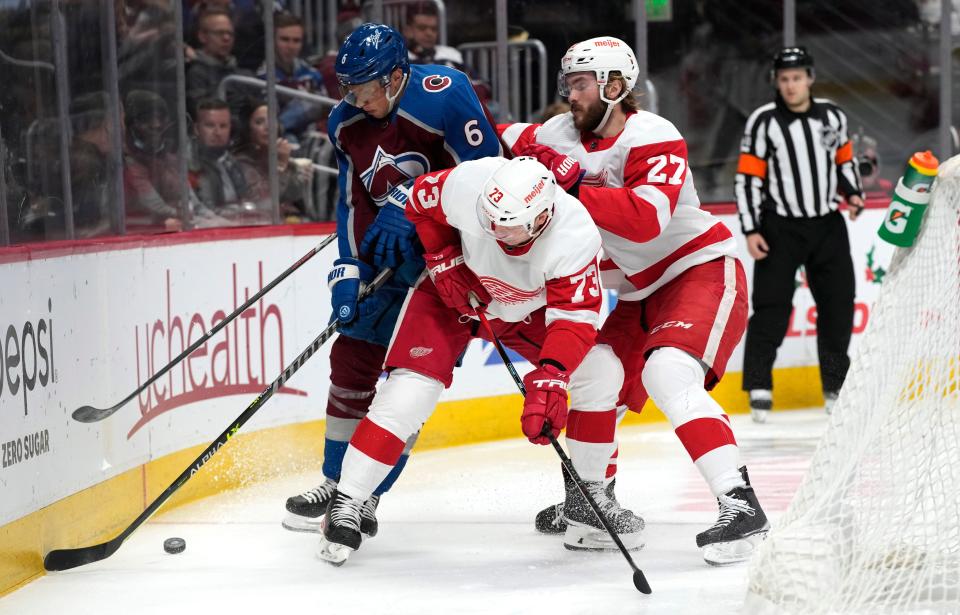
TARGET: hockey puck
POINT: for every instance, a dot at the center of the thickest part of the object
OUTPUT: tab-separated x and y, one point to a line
174	545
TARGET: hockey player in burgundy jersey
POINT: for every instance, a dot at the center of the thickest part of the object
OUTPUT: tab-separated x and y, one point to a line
498	230
682	305
396	122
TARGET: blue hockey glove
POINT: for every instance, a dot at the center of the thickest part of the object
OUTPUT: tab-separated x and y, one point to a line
347	280
391	236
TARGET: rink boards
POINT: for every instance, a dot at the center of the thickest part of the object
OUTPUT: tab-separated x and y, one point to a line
87	322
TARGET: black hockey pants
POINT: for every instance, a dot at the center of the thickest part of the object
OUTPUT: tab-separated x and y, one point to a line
822	246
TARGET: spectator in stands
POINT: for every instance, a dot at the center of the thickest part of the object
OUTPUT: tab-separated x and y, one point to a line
868	164
90	170
214	60
147	54
296	115
191	16
151	178
422	31
253	156
215	174
41	213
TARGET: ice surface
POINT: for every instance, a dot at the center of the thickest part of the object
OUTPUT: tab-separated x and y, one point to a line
456	536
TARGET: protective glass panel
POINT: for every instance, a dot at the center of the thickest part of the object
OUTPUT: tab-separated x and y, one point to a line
710	65
879	62
35	139
157	195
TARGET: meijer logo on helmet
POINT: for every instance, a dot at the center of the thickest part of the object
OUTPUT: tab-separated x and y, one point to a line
533	193
607	43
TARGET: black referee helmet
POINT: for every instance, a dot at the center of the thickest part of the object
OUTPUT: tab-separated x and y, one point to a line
791	57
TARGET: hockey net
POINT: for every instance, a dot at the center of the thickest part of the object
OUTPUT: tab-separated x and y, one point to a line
875	525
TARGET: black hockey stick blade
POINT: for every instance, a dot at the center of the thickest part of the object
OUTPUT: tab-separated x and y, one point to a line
65	559
89	414
640	582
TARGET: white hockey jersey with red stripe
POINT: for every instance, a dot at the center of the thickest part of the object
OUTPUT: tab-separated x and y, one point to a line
640	193
559	270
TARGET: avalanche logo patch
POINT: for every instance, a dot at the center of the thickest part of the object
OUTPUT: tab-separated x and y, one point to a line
388	170
436	83
419	351
507	294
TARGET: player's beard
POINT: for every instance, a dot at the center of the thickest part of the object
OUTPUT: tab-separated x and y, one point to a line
588	118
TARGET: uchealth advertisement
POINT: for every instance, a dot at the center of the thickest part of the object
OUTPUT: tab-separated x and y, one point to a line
90	328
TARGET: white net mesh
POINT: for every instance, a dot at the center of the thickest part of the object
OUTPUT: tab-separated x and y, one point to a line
875	525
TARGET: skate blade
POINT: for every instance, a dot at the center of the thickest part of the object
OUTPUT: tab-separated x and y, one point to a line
333	553
298	523
580	537
553	530
609	547
734	551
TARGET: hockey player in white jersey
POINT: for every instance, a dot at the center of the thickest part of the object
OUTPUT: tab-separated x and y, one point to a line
501	232
682	305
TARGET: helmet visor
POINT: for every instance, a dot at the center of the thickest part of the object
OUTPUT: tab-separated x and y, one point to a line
506	229
359	94
575	82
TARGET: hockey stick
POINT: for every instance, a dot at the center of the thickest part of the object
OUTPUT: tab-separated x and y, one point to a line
639	580
64	559
89	414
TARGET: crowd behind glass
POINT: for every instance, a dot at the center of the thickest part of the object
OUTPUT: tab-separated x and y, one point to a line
126	169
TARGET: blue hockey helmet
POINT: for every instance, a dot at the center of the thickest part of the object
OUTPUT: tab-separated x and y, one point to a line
371	52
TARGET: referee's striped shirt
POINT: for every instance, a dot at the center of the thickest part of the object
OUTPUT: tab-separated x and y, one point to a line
794	164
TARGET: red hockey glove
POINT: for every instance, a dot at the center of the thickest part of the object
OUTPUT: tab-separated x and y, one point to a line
454	280
565	168
546	401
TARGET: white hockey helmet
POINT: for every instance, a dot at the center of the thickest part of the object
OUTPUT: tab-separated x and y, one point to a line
516	194
600	56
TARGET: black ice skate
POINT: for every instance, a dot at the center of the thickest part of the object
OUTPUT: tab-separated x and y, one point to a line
741	526
305	511
584	530
550	520
341	529
368	517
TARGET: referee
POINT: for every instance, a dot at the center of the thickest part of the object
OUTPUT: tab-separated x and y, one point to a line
795	161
